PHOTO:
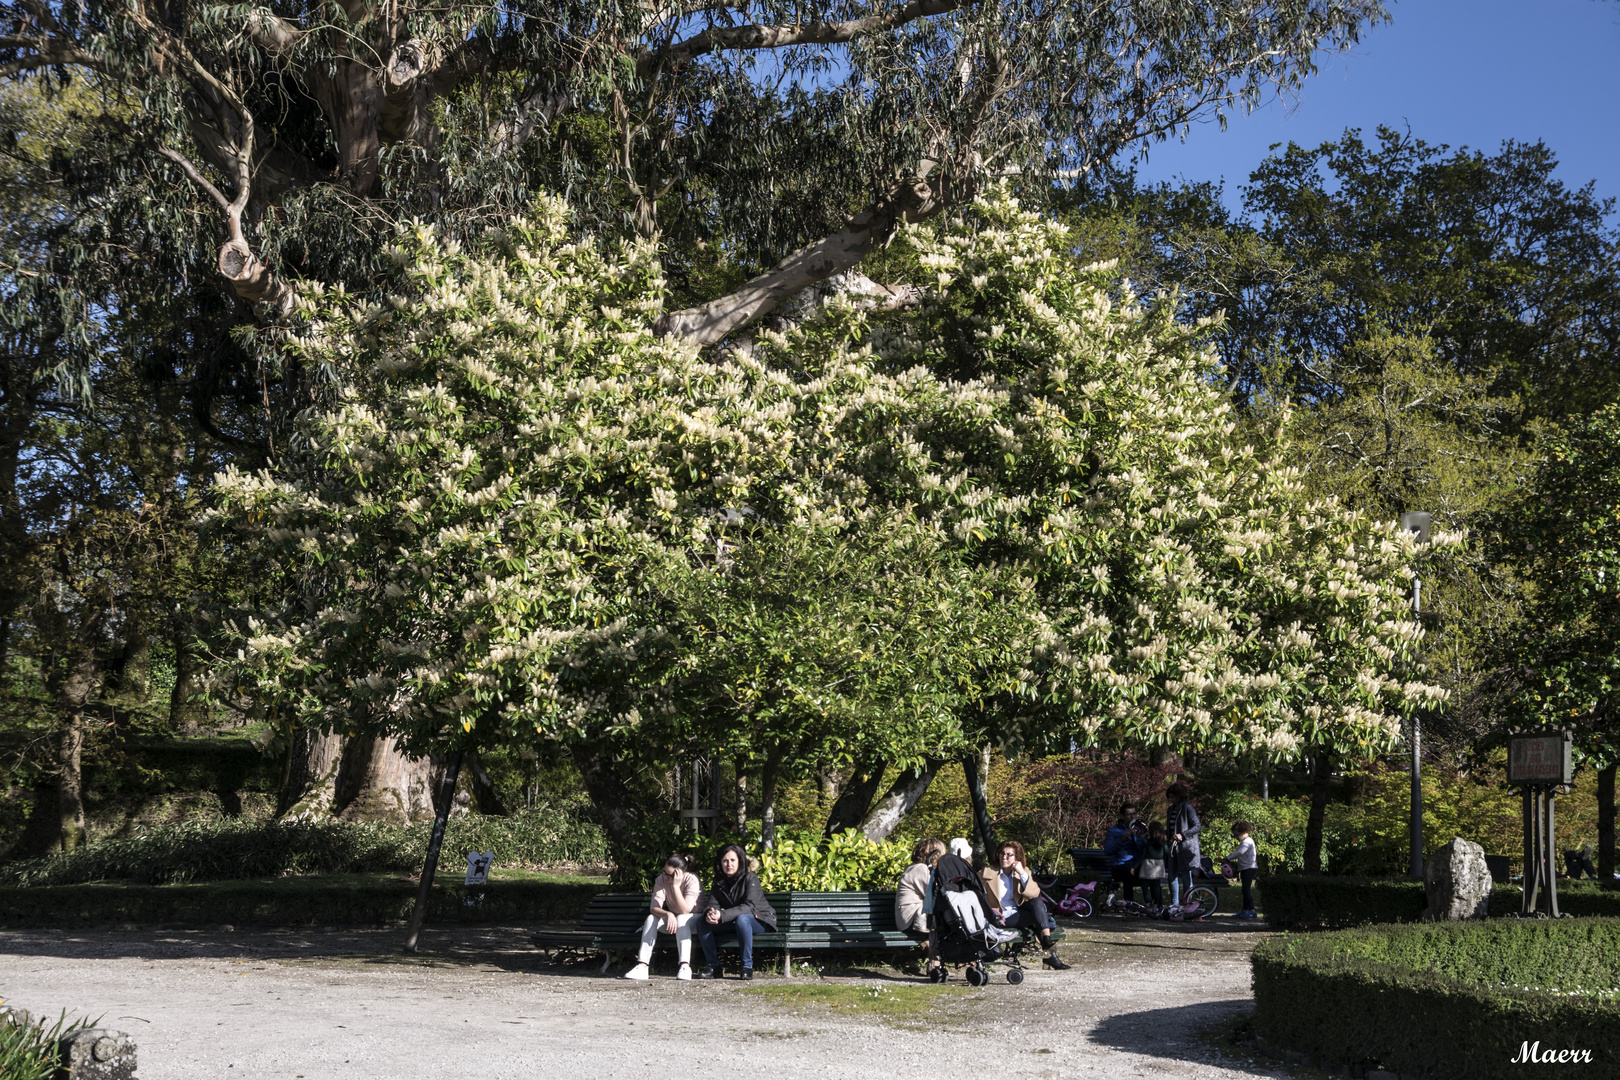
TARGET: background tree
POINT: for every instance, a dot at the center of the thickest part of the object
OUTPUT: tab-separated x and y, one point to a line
1560	666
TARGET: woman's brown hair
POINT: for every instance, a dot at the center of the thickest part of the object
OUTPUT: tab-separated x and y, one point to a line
1018	851
926	848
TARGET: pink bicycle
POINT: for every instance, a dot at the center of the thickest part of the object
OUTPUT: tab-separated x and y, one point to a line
1076	902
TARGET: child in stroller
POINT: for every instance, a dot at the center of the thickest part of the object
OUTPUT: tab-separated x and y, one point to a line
964	932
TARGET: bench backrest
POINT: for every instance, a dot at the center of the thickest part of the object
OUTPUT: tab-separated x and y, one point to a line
796	912
1089	860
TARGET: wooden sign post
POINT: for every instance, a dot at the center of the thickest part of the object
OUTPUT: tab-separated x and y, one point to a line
1540	765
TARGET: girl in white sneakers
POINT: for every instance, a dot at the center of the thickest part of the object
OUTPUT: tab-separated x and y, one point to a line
674	894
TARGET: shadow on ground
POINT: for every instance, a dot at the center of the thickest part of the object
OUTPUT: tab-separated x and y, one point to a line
1180	1033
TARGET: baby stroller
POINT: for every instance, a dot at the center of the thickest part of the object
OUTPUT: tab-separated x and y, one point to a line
965	934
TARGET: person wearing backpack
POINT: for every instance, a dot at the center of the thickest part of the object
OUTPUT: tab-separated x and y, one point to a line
1153	868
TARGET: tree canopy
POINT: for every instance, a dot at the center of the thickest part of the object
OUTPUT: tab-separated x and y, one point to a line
519	511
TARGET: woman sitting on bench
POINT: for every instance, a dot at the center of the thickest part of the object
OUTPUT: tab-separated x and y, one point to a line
675	893
736	903
1008	883
911	914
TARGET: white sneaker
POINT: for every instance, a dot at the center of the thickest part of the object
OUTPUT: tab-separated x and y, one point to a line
685	973
638	973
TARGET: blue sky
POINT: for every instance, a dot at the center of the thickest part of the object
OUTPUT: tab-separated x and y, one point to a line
1461	72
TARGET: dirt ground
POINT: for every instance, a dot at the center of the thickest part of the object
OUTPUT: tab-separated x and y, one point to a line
1143	1000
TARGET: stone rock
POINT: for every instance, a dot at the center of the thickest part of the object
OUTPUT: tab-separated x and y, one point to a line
1458	882
98	1054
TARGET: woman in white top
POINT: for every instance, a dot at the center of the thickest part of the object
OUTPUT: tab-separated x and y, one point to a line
675	894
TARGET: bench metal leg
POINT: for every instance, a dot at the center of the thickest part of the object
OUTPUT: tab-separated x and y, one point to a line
607	958
787	964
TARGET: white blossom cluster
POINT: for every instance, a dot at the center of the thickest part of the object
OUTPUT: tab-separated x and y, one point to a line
511	456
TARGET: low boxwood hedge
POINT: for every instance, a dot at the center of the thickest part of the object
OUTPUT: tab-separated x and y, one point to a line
1448	1001
1302	902
326	900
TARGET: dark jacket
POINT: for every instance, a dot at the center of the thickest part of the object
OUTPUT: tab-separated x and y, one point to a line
1121	845
746	898
1182	818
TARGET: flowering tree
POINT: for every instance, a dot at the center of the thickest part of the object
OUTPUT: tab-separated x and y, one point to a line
1023	507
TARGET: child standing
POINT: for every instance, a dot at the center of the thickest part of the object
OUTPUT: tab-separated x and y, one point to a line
1154	867
1243	861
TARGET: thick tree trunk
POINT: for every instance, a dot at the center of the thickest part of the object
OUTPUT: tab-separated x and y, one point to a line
1313	825
976	767
186	712
1605	827
310	793
616	806
378	782
484	795
740	808
73	690
894	806
853	803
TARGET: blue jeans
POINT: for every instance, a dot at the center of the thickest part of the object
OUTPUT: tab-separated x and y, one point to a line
744	926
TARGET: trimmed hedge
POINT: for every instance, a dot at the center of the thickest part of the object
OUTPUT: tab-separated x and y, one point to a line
233	849
1300	902
1448	1001
335	900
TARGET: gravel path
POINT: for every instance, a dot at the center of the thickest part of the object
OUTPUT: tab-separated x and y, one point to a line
1141	1002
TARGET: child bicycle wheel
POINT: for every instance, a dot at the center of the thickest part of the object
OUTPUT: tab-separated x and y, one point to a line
1202	899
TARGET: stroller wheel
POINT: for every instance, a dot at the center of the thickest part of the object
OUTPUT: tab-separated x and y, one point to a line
938	974
1015	975
976	977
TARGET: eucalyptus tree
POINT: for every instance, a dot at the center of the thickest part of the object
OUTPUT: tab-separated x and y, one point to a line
799	132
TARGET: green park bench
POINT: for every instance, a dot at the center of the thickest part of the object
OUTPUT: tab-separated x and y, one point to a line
805	921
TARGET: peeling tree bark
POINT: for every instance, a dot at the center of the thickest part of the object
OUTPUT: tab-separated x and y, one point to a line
712	322
378	782
312	773
976	767
901	798
855	801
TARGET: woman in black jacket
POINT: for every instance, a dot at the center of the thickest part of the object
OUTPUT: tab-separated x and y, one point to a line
734	903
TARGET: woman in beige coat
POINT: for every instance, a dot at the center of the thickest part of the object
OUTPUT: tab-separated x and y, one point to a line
911	916
1016	899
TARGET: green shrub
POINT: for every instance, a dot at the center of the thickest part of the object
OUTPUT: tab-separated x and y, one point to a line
1308	901
1302	902
846	861
234	849
1451	1001
340	900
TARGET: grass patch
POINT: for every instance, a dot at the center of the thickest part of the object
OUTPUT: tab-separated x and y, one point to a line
891	1004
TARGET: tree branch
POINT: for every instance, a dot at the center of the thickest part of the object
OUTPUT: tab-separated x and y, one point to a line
815	262
755	36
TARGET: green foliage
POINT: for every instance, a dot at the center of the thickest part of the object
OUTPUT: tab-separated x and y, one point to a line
1452	1001
28	1048
232	849
1308	902
1277	826
846	861
327	900
1562	666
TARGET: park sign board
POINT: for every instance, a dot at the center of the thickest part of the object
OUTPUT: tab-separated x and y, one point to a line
1540	758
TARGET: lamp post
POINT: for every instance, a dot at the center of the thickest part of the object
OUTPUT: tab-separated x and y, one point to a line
1417	523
